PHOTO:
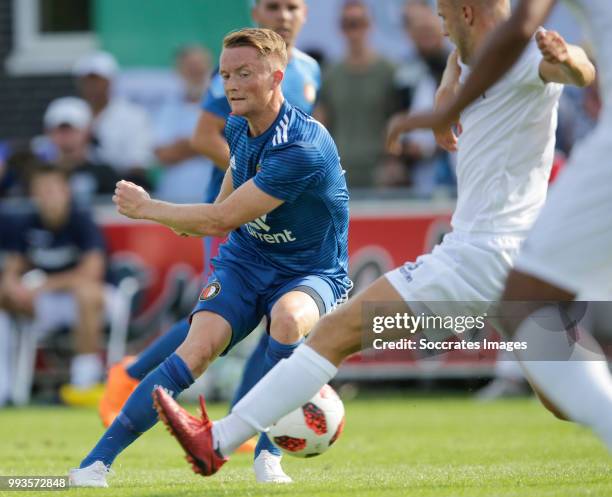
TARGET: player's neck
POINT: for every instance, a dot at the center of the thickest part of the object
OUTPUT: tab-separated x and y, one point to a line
260	122
478	39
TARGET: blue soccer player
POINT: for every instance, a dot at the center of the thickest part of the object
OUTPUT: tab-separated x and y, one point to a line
300	86
284	202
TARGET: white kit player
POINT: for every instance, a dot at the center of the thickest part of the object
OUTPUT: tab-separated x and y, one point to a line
505	154
568	254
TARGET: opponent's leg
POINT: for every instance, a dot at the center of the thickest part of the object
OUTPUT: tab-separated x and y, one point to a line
298	378
570	376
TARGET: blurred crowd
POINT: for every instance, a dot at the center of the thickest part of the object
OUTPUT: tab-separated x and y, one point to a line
94	138
97	137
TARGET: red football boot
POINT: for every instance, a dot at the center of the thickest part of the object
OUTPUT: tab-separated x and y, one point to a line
194	434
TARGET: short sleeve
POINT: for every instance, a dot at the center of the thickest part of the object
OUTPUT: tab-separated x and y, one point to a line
288	172
214	101
89	235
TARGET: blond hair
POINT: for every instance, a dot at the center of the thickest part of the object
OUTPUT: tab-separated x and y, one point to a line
267	43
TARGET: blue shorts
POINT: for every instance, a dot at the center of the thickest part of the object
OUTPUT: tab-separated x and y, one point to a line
243	293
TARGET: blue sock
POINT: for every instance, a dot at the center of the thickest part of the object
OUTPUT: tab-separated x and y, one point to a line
138	414
252	369
274	353
159	350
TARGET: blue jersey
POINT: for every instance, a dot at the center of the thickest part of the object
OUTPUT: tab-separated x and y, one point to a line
300	87
295	160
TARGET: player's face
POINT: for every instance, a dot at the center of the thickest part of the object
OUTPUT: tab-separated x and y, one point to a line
286	17
452	25
248	80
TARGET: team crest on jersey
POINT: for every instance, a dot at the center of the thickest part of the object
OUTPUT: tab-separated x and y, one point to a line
210	291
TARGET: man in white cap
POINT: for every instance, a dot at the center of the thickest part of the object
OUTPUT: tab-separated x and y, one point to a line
67	124
121	131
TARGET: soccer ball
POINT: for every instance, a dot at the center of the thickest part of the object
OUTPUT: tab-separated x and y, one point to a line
311	429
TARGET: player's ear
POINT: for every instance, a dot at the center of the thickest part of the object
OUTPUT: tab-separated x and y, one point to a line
467	12
278	76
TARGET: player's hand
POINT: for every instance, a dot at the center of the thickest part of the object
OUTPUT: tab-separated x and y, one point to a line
131	200
438	120
446	139
553	47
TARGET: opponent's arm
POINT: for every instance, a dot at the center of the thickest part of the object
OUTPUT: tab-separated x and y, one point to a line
446	92
499	54
209	141
563	63
245	204
448	89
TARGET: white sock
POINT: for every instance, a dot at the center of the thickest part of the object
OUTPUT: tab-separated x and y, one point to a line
573	376
287	386
86	370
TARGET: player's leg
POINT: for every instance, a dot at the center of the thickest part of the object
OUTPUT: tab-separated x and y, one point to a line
252	368
166	344
124	376
566	368
292	315
224	310
297	379
567	254
208	336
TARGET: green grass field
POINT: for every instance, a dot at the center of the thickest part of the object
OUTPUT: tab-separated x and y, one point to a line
392	446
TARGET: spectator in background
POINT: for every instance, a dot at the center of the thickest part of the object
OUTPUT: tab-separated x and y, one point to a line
357	97
121	134
67	124
53	274
423	165
431	51
186	173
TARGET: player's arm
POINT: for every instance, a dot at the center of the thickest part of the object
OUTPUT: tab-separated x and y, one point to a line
562	62
446	92
503	48
227	186
243	205
448	89
209	141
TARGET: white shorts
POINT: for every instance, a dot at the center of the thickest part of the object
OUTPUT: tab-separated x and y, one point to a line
466	269
54	310
570	245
